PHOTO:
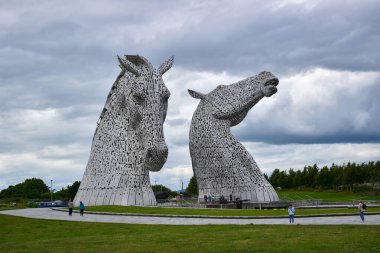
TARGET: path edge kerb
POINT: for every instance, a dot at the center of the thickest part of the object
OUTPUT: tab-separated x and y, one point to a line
216	217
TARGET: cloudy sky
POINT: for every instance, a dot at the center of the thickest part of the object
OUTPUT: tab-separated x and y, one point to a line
58	62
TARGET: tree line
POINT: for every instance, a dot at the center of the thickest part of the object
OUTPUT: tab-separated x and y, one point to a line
35	188
347	176
340	177
159	189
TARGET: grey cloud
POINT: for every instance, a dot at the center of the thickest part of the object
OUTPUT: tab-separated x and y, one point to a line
176	122
31	130
61	55
286	138
348	113
243	37
342	35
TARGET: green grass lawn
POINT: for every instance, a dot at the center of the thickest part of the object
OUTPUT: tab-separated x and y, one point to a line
32	235
219	212
326	196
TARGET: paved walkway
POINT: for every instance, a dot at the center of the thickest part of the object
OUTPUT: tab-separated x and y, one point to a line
47	213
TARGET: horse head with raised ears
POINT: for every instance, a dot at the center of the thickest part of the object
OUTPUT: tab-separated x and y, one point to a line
129	139
146	101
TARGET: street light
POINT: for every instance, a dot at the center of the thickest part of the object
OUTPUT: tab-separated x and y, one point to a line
51	190
181	191
160	185
182	186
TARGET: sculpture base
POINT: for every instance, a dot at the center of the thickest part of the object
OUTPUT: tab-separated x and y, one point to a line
250	205
119	197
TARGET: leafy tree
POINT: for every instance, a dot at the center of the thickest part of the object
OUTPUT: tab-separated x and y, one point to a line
73	189
290	178
33	188
336	174
283	179
323	178
312	172
350	175
192	188
11	191
274	178
30	188
67	193
157	188
375	172
297	180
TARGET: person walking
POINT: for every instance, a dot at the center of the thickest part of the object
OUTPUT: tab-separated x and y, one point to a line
361	208
70	205
81	208
291	212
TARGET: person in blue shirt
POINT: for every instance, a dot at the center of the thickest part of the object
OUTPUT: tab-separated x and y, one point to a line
362	208
81	208
291	212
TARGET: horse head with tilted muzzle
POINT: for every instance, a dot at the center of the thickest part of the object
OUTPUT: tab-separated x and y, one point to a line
221	164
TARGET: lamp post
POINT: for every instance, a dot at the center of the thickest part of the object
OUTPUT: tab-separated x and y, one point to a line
51	190
182	186
181	191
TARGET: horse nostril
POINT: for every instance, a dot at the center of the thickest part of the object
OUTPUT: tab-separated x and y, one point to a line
150	153
155	157
165	151
272	82
157	153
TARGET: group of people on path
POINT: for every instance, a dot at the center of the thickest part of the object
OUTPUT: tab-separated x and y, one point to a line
362	206
70	205
291	210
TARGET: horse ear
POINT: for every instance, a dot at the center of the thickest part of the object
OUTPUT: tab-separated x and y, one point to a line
166	65
138	60
127	65
196	94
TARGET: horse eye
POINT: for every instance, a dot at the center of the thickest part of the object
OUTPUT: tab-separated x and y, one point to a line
139	99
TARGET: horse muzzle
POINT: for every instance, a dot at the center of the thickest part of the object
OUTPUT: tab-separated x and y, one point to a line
156	157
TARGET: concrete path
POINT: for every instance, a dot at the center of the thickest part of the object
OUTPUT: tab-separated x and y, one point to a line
47	213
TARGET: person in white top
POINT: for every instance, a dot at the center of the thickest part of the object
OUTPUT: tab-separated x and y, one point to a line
70	206
291	212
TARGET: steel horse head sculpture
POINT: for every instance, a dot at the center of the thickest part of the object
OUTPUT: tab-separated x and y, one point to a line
222	166
129	139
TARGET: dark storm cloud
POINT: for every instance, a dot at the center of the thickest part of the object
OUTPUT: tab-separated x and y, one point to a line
240	37
286	138
251	37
